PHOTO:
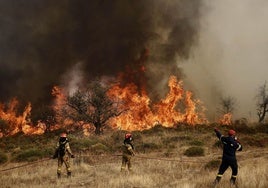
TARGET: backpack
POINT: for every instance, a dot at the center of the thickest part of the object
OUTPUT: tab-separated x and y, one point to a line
61	149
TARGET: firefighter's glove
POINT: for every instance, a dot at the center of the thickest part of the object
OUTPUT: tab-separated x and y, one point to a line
72	156
54	156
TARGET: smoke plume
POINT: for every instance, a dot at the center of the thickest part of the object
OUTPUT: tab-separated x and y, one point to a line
42	41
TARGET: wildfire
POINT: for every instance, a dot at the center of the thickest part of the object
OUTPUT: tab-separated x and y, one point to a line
139	112
226	119
65	122
177	107
59	103
142	114
17	123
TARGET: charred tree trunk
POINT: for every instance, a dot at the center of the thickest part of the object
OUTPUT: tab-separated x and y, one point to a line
97	128
263	113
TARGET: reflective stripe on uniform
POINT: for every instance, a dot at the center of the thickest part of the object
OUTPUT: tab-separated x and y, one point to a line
59	170
239	147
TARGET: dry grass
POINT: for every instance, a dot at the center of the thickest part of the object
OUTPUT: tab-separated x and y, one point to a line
147	173
162	170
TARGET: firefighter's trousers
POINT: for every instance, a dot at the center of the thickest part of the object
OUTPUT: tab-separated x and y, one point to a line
223	167
66	160
126	162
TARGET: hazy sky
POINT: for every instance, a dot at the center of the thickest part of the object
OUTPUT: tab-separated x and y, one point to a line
232	56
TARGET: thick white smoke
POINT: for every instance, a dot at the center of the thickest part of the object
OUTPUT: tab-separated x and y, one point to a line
74	78
232	56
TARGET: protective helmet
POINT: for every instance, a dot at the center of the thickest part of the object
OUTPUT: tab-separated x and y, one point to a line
63	135
128	136
231	132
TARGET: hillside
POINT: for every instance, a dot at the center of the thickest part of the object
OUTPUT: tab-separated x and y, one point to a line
161	159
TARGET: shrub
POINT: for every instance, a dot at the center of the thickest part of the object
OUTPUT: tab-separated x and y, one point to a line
257	141
29	155
194	151
117	137
244	128
147	147
82	144
48	151
3	158
100	148
214	164
176	139
262	128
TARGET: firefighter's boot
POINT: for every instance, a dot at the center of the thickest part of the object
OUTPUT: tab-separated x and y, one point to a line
69	174
232	180
217	180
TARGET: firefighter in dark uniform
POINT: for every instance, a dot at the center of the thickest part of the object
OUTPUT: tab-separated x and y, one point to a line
128	152
63	153
230	146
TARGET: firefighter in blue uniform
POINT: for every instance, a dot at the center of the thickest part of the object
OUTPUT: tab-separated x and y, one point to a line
230	146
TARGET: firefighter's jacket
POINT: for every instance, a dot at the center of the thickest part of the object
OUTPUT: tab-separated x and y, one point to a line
67	149
230	146
127	149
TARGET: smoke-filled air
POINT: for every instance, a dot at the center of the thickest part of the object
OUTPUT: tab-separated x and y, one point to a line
231	57
43	41
208	49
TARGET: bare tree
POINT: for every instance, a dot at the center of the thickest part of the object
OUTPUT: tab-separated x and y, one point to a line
226	109
262	102
93	106
227	105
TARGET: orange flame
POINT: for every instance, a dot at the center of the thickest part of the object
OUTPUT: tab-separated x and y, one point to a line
141	116
65	122
18	123
177	107
59	102
226	119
